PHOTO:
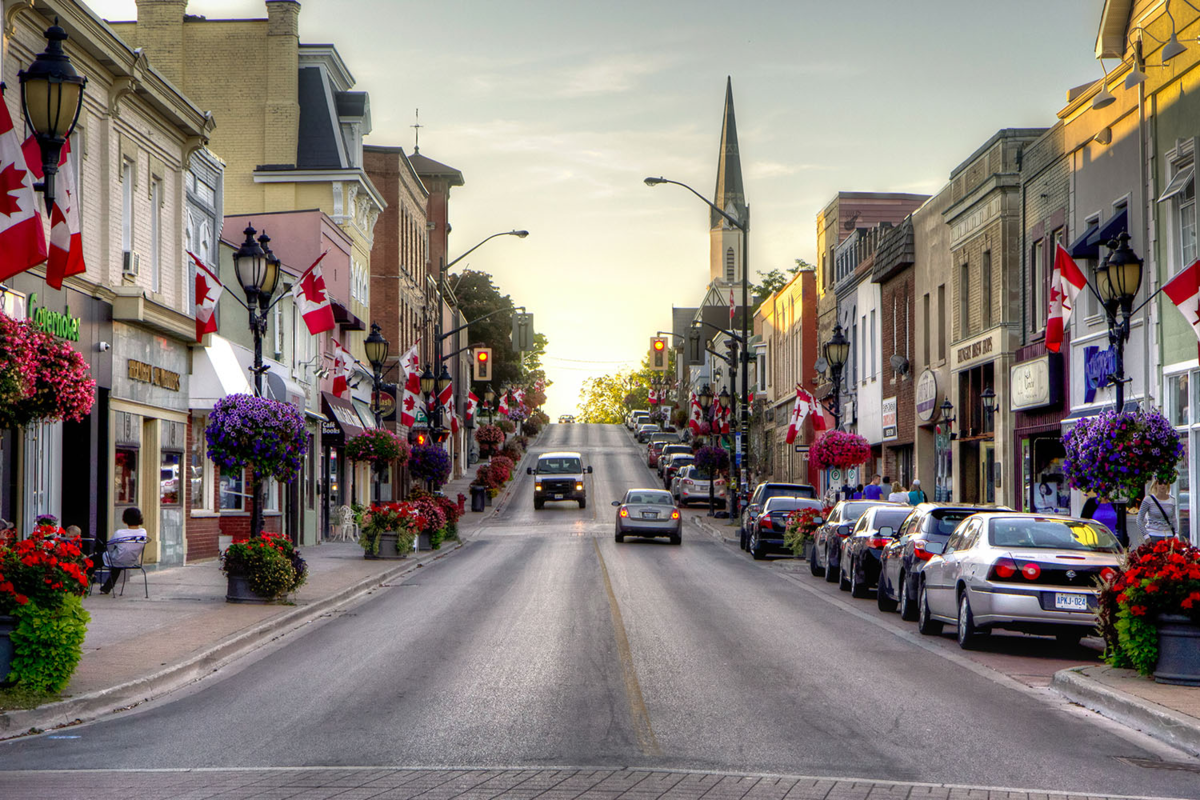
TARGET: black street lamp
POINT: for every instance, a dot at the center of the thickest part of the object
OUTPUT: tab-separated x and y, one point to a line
52	96
489	403
377	353
258	271
988	399
837	352
706	398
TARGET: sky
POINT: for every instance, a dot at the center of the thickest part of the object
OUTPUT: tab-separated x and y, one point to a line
556	111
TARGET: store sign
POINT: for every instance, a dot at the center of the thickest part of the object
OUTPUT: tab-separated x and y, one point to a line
1035	383
974	350
926	395
155	376
1098	366
55	323
890	430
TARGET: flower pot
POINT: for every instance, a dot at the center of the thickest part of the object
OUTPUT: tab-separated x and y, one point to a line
238	591
1178	651
223	541
807	551
389	546
7	625
424	542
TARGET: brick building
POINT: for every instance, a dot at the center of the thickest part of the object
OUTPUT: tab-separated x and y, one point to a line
893	271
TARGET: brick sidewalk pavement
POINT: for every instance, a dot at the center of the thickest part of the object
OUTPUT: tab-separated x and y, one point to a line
482	784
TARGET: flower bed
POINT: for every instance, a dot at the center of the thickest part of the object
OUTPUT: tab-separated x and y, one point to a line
271	564
246	431
379	447
1116	454
839	449
429	463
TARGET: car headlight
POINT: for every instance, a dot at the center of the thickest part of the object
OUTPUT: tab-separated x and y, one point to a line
579	487
537	487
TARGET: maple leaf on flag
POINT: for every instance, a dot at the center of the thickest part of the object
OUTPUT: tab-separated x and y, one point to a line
408	404
11	180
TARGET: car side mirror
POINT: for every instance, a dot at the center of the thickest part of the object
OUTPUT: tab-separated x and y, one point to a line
589	470
937	548
616	502
818	521
886	532
529	470
843	530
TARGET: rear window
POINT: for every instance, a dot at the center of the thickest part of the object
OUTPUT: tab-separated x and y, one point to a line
650	498
1052	535
791	504
559	466
891	518
944	521
788	491
671	449
852	511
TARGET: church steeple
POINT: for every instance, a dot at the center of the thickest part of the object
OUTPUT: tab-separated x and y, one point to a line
729	167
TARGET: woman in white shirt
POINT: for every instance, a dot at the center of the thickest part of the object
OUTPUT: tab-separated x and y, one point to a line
124	549
898	494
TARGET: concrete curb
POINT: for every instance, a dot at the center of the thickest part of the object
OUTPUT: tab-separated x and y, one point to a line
1161	723
716	532
127	695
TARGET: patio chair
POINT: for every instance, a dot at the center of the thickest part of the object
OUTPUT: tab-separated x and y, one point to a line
124	554
347	530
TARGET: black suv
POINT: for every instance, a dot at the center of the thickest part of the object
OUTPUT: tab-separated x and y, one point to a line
764	492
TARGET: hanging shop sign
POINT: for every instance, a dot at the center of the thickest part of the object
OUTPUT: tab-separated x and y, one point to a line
1036	383
927	396
1098	366
55	323
888	418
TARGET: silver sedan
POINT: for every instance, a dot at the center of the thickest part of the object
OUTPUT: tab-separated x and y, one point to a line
1021	572
648	513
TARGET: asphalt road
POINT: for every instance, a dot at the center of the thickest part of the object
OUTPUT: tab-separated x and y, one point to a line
545	643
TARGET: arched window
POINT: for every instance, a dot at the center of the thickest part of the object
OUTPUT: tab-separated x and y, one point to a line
730	269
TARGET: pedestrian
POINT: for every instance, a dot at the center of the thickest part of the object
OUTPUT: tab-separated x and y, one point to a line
873	491
898	494
1103	512
858	493
124	548
917	495
1157	516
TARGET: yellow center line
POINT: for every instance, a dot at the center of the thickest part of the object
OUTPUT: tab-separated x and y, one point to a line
637	705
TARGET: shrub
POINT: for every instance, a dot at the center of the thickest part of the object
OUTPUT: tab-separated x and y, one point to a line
839	449
712	459
44	569
801	527
489	436
512	451
532	427
1116	455
48	643
41	377
379	447
403	519
505	466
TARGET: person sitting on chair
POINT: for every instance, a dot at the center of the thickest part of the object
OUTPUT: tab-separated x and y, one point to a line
123	548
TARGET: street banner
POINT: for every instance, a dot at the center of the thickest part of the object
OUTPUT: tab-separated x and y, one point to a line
800	410
1066	282
696	415
208	292
472	405
22	236
312	299
1184	292
343	368
731	307
503	407
446	401
410	363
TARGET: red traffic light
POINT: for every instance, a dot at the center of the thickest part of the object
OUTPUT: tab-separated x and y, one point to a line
482	355
659	345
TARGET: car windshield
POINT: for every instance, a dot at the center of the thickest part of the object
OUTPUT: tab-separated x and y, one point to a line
947	519
559	466
649	498
1052	534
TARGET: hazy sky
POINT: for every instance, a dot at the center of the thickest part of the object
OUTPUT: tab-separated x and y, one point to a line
555	111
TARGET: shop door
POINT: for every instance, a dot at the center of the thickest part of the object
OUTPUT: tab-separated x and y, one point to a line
170	493
987	472
43	467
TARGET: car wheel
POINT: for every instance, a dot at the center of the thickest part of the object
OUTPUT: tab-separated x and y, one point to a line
926	624
812	562
1070	638
538	505
858	586
620	537
882	598
582	502
968	636
908	609
755	550
831	569
676	538
843	580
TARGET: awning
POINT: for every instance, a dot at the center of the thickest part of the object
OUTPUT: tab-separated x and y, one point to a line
1080	248
1116	224
346	318
344	422
217	373
364	412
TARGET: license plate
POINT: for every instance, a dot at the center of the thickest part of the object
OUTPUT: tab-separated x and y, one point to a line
558	497
649	515
1070	602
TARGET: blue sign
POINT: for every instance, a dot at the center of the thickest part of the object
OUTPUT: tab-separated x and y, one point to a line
738	454
1098	367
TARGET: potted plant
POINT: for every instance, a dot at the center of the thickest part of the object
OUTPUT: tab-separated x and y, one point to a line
489	437
429	463
712	460
389	529
41	377
378	447
42	620
1115	454
1150	612
839	449
801	527
263	570
506	425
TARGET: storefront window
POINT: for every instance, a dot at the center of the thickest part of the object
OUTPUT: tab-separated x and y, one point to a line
1183	488
125	477
198	470
271	488
168	478
1177	398
232	489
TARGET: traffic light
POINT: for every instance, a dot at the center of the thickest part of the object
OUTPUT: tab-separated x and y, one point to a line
695	348
522	332
483	363
658	353
419	438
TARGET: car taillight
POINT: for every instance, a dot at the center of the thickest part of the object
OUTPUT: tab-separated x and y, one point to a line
764	522
1031	571
1003	569
920	552
1108	574
720	482
675	514
688	482
878	541
624	512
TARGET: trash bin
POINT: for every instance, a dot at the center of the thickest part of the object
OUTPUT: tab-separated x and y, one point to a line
478	496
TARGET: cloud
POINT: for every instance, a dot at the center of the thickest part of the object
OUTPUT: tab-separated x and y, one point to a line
777	169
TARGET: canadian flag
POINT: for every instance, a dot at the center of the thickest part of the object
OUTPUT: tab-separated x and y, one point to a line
519	394
731	306
1184	291
503	407
208	292
721	419
472	405
805	404
1066	282
697	414
312	300
652	399
446	400
410	362
66	241
22	237
343	368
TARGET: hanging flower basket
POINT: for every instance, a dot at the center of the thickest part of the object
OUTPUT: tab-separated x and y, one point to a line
1116	455
379	447
41	378
429	463
712	459
247	431
840	449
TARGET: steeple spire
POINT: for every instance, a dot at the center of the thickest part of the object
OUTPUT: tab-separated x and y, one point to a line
730	191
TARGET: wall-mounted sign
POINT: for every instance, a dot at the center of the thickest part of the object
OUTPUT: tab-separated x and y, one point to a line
55	323
155	376
1098	366
1035	383
927	396
974	350
888	418
980	350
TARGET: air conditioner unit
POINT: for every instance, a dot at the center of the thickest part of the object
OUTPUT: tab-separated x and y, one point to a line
131	264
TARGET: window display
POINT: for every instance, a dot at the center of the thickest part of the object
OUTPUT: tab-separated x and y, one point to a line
125	477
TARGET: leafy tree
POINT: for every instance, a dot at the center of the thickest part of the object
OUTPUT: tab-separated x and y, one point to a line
602	400
775	280
478	297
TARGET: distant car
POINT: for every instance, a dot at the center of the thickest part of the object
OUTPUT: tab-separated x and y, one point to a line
648	513
670	449
559	476
764	492
691	486
861	550
566	419
636	418
906	556
827	541
766	533
1024	572
644	430
672	464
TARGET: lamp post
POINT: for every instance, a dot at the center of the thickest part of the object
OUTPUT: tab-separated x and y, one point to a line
52	95
943	458
744	227
988	399
706	398
1118	279
489	403
377	353
837	351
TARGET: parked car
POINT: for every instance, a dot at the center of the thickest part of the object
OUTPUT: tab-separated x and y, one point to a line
664	436
644	430
648	513
859	561
691	486
1023	572
672	463
908	553
767	530
764	492
827	541
559	476
664	451
636	418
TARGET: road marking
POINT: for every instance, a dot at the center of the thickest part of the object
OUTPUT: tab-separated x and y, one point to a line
640	715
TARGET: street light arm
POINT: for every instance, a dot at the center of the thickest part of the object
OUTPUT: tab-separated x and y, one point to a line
709	203
724	358
730	334
521	234
460	328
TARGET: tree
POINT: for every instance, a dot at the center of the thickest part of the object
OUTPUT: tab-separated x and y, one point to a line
602	400
775	280
477	297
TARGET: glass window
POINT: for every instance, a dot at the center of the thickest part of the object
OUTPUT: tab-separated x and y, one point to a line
127	205
985	292
1052	535
233	486
1183	487
1037	305
125	477
1177	399
198	468
155	235
168	478
1187	225
271	488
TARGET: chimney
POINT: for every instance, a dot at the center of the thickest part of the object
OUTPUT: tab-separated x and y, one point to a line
160	32
283	68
